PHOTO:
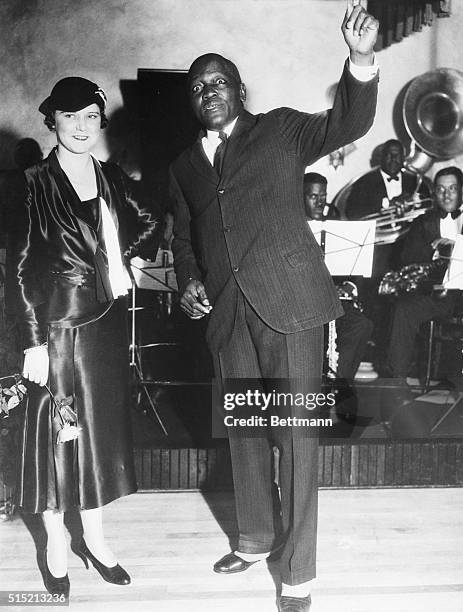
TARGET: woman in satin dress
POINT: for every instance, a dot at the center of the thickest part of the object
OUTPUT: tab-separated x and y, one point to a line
80	224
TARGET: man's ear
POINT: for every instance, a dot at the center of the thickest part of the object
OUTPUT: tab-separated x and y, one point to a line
242	92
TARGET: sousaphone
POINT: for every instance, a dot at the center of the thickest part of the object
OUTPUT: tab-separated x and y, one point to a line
433	117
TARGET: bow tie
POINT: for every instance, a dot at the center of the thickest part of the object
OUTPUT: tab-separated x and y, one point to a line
392	178
454	214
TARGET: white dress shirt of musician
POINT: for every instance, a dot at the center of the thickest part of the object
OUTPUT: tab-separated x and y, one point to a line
448	186
392	160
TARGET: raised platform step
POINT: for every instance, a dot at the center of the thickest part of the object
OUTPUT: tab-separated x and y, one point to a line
368	464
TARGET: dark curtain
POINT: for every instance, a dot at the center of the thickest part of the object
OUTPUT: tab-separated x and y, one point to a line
400	18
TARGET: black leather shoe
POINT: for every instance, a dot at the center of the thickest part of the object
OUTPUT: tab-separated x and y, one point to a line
114	575
294	604
232	564
55	586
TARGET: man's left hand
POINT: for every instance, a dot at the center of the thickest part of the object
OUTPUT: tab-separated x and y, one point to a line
360	31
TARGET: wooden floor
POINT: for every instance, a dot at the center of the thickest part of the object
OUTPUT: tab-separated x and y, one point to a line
380	550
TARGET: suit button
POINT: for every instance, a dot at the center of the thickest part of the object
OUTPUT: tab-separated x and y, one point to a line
236	269
221	191
226	228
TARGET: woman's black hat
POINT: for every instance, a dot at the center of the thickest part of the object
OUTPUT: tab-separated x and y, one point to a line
73	94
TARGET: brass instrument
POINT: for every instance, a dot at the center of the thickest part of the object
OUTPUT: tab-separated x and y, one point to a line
392	222
348	292
413	278
433	117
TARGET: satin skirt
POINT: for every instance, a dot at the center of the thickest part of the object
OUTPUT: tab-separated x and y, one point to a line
90	363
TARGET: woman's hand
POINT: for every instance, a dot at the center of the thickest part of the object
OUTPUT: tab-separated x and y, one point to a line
36	363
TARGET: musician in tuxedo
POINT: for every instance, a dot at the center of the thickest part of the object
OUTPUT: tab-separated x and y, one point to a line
353	328
315	191
431	233
370	194
245	256
376	190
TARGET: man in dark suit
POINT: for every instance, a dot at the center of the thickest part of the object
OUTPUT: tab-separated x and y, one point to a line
436	230
245	255
377	189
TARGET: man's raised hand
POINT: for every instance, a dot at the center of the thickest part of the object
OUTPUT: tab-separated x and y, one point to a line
360	31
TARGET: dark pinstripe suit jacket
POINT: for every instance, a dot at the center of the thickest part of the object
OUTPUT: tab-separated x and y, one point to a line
250	222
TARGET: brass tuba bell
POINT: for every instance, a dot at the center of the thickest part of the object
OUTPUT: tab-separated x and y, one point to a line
433	117
432	112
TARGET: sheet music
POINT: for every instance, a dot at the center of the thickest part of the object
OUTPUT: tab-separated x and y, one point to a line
153	275
454	276
349	246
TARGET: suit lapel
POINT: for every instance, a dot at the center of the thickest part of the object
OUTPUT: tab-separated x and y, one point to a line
200	162
435	226
236	142
381	186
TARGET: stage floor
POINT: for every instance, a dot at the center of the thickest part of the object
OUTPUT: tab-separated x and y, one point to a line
378	550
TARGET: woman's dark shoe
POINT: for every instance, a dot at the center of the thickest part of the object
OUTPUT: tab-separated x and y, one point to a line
55	586
115	575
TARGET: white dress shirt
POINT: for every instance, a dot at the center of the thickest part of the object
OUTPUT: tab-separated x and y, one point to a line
393	188
211	141
450	228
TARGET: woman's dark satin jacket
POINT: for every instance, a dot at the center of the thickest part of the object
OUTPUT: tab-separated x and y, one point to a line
57	265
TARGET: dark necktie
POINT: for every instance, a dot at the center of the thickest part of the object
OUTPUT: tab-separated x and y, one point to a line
220	153
392	178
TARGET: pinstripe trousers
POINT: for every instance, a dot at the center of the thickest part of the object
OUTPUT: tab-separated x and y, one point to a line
255	351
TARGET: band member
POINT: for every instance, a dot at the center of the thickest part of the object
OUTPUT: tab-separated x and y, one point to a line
245	256
430	234
79	224
316	206
376	190
353	328
372	193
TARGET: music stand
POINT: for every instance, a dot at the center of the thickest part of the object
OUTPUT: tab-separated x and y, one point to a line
154	277
347	248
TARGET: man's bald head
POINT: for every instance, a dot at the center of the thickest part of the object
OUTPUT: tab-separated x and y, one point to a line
208	58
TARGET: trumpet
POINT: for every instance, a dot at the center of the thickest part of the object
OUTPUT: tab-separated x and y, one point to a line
392	222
